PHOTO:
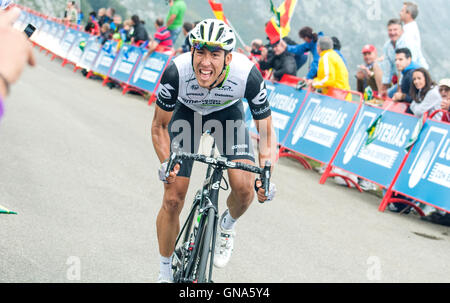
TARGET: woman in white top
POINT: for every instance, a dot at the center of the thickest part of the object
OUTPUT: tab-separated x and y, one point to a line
425	94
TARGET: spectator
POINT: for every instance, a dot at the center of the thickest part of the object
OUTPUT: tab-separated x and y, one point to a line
161	40
14	57
411	34
71	14
337	48
444	90
425	94
332	72
369	74
186	47
396	41
125	31
93	27
105	33
282	62
101	15
139	34
404	64
300	51
175	18
116	25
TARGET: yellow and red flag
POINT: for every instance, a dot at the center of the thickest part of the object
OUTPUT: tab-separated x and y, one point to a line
218	10
280	25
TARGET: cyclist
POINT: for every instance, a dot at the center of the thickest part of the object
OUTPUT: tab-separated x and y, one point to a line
199	91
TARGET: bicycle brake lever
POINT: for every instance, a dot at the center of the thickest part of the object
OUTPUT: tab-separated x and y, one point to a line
171	164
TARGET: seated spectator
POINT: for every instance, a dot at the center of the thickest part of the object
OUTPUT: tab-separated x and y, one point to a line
444	90
404	64
161	39
105	33
92	26
332	72
425	94
186	47
101	16
282	62
369	74
139	34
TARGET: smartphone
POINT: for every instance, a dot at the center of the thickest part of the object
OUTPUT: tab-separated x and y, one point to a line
29	30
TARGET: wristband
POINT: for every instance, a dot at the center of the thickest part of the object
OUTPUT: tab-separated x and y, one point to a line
3	79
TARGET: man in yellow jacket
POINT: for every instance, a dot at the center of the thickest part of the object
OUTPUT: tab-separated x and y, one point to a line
332	71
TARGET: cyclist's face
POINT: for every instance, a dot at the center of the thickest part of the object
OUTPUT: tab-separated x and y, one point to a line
208	66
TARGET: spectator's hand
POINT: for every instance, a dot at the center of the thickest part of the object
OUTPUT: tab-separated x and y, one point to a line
360	75
445	104
398	96
16	50
240	50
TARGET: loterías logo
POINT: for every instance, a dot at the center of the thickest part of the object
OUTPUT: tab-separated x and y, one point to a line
5	3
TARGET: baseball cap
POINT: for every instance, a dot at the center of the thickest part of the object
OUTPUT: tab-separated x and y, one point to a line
5	3
444	82
368	49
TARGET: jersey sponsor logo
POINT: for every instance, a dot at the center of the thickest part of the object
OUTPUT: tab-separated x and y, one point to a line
260	111
195	87
261	97
164	91
223	95
225	88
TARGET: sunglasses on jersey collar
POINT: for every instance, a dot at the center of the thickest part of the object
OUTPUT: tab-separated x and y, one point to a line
211	46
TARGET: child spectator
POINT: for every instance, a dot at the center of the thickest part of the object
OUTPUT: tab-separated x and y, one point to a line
93	27
425	94
369	74
105	33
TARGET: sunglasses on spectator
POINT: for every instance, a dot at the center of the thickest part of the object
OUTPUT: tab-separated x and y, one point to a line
211	46
444	89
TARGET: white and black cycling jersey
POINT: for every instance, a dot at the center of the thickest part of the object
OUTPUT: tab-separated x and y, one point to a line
179	83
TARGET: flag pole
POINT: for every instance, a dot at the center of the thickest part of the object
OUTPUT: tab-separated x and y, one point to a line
236	33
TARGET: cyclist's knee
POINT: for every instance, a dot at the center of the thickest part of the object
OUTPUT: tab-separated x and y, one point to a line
173	204
244	194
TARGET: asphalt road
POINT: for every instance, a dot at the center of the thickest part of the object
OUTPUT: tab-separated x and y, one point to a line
78	165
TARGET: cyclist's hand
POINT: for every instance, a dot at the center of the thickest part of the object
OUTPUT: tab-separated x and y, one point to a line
261	192
172	176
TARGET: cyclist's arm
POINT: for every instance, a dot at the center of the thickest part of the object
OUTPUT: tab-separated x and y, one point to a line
165	104
256	94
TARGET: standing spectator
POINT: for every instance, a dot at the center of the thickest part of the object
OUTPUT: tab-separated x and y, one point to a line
161	39
405	65
370	73
444	90
300	51
425	94
411	34
186	47
71	14
175	18
139	35
282	62
332	72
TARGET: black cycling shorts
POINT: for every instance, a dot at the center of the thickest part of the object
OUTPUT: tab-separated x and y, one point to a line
227	126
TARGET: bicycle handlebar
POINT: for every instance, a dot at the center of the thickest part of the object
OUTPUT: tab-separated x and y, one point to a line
221	162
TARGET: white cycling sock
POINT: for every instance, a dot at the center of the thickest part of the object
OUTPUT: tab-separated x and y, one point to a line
165	268
228	221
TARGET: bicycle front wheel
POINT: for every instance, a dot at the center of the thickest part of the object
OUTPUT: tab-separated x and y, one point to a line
207	245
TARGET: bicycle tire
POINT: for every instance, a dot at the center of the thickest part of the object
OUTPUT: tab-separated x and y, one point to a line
206	243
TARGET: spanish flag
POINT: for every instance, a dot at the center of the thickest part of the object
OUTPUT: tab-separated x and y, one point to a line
280	25
218	11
